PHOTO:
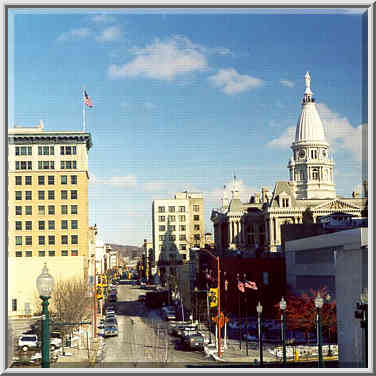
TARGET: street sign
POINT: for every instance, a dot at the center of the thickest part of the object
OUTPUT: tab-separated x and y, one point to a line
213	297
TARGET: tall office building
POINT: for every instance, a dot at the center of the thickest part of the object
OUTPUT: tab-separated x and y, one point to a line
47	210
178	225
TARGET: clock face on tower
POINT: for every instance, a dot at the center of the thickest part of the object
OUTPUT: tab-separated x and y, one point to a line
301	154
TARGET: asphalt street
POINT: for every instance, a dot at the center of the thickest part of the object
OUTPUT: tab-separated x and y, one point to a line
143	340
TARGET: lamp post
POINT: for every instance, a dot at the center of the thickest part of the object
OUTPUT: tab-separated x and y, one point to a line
259	312
328	297
196	301
282	306
362	314
45	284
319	301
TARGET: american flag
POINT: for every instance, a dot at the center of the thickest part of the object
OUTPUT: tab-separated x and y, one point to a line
241	286
87	100
250	285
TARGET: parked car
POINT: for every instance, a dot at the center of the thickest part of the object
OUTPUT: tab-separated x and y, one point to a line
110	330
110	320
55	340
28	341
193	341
142	298
168	313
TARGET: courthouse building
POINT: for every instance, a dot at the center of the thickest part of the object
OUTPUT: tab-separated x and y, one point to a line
307	195
47	210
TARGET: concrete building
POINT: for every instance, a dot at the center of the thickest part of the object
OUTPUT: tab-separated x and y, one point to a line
338	261
178	224
308	195
47	209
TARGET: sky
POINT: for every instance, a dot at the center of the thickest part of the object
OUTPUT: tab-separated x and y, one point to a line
184	100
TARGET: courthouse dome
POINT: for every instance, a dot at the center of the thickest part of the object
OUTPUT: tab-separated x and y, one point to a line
309	127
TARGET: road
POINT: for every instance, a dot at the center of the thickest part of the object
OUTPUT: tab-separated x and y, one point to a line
143	340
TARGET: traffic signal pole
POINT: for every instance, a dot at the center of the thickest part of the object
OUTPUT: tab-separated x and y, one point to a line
219	308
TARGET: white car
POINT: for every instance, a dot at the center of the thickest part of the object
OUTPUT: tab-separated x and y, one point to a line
28	341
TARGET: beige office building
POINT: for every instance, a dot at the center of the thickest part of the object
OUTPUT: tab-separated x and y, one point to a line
47	210
178	225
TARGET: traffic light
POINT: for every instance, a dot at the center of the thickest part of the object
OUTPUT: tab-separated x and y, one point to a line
99	293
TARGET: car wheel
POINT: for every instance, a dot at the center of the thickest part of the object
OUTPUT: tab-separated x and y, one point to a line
25	348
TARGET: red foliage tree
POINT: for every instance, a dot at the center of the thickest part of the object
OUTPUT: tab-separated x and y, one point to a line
301	313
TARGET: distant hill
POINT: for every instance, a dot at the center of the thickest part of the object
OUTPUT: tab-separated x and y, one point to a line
130	251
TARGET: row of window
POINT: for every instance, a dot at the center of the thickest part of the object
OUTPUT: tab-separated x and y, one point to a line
50	195
180	209
173	237
46	165
28	240
50	180
50	209
73	252
181	228
182	247
28	225
171	218
46	150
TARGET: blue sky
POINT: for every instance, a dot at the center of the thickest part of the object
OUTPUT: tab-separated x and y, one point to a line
184	99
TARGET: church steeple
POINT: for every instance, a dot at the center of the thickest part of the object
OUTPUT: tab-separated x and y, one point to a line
311	169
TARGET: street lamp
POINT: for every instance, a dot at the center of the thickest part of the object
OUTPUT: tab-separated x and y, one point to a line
328	297
45	284
259	311
319	301
282	306
362	314
196	301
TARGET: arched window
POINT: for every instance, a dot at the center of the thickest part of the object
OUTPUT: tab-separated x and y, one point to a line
315	174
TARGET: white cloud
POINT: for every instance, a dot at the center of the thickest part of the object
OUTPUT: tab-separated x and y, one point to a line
339	132
75	34
231	82
109	34
287	83
102	18
117	181
162	60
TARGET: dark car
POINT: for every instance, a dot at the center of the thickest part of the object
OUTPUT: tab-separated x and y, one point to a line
193	341
110	320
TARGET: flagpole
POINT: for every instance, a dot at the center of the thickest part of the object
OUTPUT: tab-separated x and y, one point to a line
83	111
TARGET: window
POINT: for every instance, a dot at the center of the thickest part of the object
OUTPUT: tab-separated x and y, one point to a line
18	240
74	252
18	195
172	238
18	254
74	179
40	195
42	253
14	305
23	150
74	224
46	165
28	225
51	180
74	239
196	208
64	195
51	209
182	228
23	165
161	209
182	237
64	225
64	239
51	253
41	180
172	218
41	225
182	218
74	209
162	218
184	256
41	210
315	174
183	247
46	150
51	225
18	180
68	150
28	240
28	180
51	239
28	195
73	195
64	209
196	227
171	209
196	217
18	210
29	253
18	225
64	179
64	253
197	236
162	228
28	210
41	240
67	165
51	195
171	228
181	209
161	237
